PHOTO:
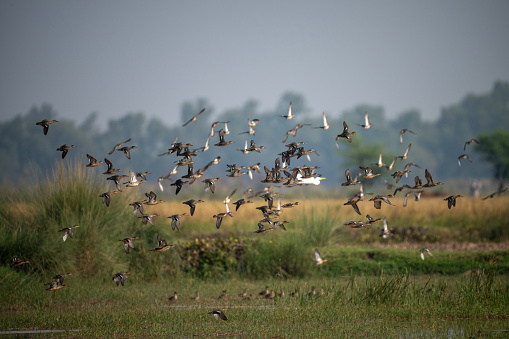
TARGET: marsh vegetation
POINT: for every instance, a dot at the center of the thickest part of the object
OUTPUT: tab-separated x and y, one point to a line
370	286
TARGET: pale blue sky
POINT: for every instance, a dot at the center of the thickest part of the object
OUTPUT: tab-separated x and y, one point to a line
114	57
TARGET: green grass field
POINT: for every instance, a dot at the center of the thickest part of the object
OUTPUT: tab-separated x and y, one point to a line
369	286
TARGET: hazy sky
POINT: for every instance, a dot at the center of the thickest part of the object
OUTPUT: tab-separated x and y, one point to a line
114	57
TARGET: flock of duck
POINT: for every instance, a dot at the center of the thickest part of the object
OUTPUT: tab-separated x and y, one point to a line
280	173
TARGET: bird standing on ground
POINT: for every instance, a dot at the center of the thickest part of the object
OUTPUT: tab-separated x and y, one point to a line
174	297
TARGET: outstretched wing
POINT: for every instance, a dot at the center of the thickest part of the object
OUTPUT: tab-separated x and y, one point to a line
318	258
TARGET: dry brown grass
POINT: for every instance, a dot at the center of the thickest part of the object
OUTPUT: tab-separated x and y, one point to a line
430	212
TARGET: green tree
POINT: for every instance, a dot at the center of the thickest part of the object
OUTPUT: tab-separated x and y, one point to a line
495	149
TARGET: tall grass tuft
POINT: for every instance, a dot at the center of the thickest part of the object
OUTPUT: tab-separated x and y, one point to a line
392	289
484	285
288	257
318	226
68	196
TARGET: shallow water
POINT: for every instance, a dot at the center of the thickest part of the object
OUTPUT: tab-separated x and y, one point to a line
20	331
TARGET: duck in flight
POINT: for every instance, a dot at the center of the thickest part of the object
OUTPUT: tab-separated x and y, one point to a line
289	115
45	124
346	134
194	118
366	121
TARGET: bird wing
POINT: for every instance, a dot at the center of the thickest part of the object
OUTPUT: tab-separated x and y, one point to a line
194	118
231	194
318	258
347	175
222	315
149	219
405	199
345	127
221	135
218	222
356	208
110	165
130	243
60	278
407	150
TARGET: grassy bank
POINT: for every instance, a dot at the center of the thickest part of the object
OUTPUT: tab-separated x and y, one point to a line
347	306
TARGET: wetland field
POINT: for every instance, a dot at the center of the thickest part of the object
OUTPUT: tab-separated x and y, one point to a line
369	286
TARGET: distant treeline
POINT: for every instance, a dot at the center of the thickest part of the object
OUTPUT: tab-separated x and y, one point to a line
435	145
